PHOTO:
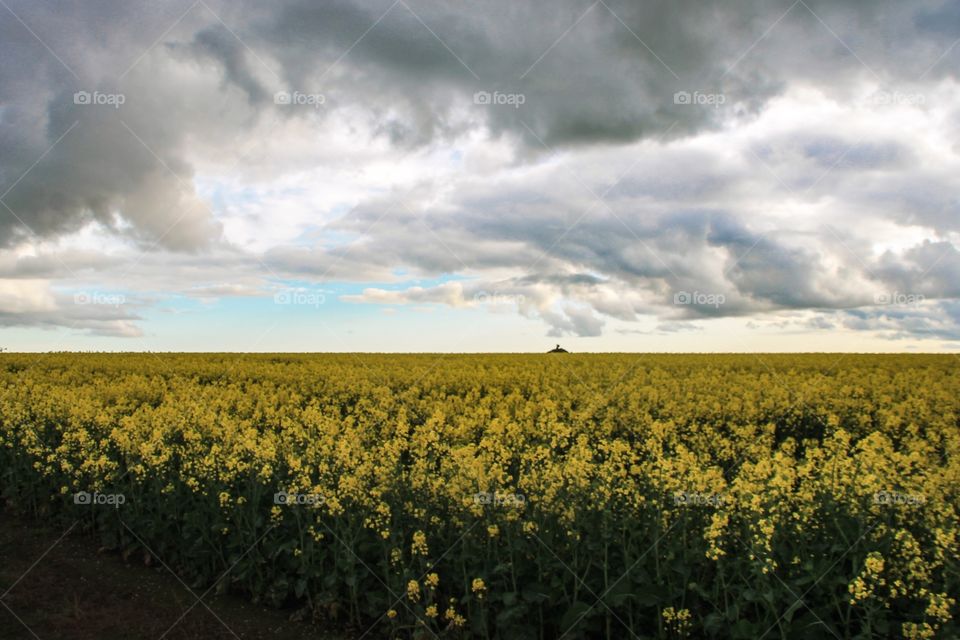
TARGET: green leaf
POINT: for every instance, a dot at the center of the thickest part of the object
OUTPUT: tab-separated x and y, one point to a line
789	613
536	592
745	630
575	615
714	623
649	595
618	594
300	587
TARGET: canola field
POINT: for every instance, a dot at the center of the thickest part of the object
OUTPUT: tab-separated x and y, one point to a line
513	496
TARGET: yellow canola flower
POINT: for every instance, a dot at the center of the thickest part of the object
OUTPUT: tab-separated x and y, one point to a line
413	591
478	587
419	546
940	606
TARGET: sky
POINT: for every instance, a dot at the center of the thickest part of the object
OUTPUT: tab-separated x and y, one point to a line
404	175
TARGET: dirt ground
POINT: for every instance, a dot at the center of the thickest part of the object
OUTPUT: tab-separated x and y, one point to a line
74	592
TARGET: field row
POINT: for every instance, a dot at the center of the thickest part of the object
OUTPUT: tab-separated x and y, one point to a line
574	496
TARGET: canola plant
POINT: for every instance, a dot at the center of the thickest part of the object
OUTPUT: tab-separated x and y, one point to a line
514	496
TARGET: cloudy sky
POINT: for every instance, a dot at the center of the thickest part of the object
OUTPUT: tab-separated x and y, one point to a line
404	175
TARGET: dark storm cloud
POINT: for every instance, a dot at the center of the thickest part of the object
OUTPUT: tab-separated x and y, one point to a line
221	46
944	19
67	162
931	269
940	321
589	73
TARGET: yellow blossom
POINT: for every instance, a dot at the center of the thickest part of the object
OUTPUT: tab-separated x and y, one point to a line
413	591
478	587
